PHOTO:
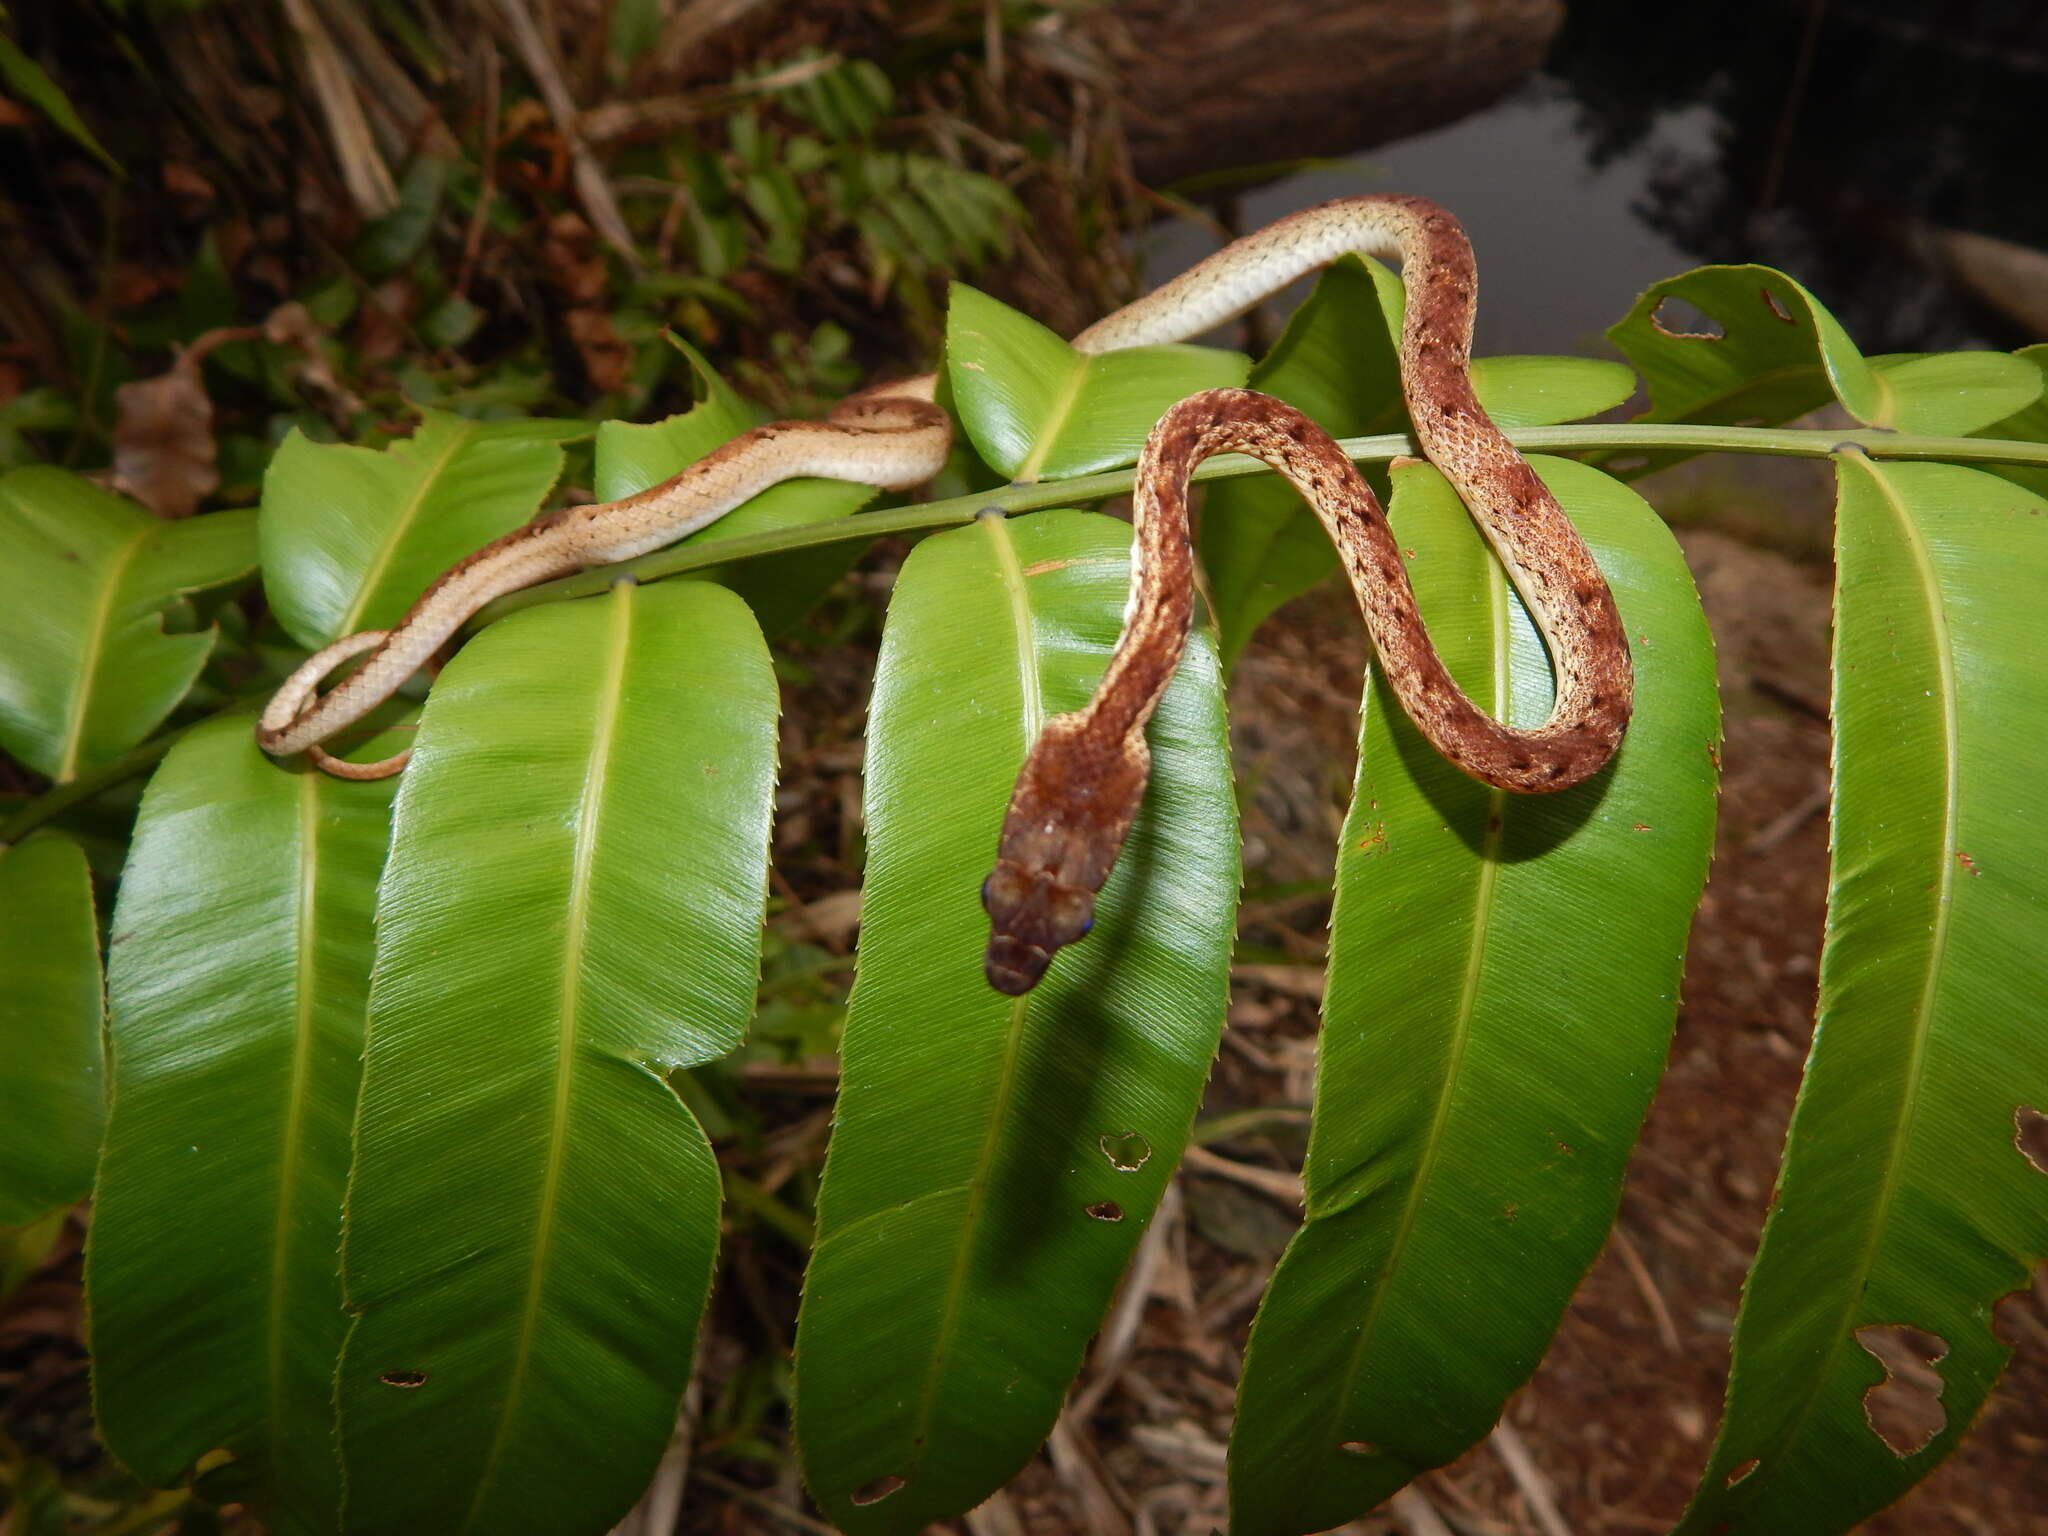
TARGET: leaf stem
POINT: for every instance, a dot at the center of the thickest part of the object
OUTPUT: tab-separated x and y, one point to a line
1610	438
54	802
1617	438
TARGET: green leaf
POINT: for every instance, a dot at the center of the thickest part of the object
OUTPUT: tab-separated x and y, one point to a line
51	1104
631	456
240	970
1953	393
1503	977
352	536
86	670
27	79
1908	1197
778	203
1038	410
975	210
25	1249
388	243
2028	424
1543	391
451	322
994	1161
635	29
1776	353
41	409
1337	360
572	912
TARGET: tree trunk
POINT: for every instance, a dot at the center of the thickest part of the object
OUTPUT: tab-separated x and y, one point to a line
1219	83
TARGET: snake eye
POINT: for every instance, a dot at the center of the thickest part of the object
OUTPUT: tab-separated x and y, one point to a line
1087	927
985	884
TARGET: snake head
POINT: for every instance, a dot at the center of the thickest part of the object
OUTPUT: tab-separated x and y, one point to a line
1068	818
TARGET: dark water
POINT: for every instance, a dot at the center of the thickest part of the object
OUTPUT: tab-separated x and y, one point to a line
1835	140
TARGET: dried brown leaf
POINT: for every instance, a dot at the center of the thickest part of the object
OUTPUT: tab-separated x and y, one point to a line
292	325
570	262
384	323
163	440
606	359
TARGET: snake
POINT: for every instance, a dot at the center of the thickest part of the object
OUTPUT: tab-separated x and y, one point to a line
1084	776
891	437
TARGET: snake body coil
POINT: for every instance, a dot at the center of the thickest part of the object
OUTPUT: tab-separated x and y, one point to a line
1081	785
892	437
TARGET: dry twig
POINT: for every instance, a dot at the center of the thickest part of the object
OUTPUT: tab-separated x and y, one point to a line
592	190
363	170
1535	1487
1268	1181
1660	1314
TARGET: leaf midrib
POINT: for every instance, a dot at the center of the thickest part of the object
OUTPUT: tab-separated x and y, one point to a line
1054	421
459	437
1468	993
589	824
1032	702
291	1148
1944	892
95	649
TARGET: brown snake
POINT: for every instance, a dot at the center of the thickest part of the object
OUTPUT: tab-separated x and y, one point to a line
1081	785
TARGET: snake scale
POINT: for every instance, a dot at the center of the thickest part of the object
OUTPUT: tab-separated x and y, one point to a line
1082	782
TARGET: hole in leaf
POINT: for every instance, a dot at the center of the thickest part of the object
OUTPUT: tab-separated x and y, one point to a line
876	1491
1127	1152
1358	1448
407	1380
2019	1314
1684	321
1106	1210
1776	307
1904	1410
2030	1135
1739	1471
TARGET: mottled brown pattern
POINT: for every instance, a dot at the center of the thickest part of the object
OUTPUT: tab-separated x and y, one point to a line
891	436
1082	783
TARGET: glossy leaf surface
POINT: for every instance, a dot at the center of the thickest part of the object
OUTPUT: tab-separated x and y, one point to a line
994	1160
239	977
632	456
1036	409
352	536
51	1091
1503	978
572	911
86	669
2027	425
1774	352
1337	361
1914	1191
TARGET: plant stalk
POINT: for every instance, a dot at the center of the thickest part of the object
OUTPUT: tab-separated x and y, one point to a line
54	802
1613	439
